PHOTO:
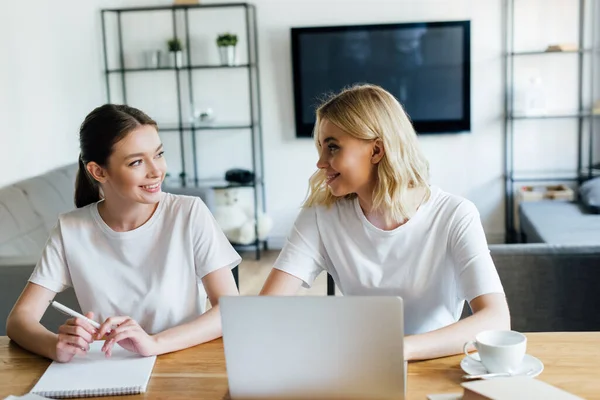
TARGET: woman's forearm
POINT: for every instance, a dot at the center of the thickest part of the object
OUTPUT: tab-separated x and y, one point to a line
450	340
206	327
31	335
203	329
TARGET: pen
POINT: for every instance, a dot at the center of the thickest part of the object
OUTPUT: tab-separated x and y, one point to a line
72	313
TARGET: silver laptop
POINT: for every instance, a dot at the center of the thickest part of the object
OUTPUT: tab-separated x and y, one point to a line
314	347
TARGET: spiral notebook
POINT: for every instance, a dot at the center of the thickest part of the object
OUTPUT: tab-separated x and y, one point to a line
95	375
28	396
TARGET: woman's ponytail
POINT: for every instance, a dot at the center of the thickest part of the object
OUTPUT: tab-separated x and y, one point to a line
86	192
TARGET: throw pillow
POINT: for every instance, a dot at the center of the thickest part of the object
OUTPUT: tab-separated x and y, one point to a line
589	193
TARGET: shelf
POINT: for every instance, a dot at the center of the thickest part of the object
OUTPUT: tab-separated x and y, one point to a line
175	7
223	184
181	126
577	113
214	183
248	247
553	116
595	171
596	166
544	179
184	68
541	52
563	175
203	127
556	176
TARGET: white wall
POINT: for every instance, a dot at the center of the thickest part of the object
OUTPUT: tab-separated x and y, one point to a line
51	76
49	79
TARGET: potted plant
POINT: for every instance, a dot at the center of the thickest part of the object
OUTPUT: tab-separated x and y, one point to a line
176	50
226	43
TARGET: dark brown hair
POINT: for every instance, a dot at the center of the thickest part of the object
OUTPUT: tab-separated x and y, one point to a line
101	129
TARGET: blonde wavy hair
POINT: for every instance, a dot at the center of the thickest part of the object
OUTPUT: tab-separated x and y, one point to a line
369	112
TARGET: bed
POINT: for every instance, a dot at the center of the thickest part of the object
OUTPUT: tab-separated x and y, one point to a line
558	222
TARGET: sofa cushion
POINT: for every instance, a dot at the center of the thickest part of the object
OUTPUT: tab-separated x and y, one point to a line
589	194
20	225
30	208
51	194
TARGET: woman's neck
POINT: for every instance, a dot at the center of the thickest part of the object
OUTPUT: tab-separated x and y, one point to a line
125	217
378	217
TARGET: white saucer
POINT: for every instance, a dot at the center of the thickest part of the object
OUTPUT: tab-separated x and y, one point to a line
530	363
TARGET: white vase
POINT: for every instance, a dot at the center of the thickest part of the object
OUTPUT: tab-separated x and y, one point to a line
227	54
152	59
177	57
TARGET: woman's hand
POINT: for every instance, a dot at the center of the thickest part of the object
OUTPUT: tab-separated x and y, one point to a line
74	337
128	334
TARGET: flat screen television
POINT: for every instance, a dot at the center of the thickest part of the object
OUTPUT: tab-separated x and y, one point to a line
426	66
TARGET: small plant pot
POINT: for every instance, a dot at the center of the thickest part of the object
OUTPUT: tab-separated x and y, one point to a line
227	54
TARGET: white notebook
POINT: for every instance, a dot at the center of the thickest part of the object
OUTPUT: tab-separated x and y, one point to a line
95	375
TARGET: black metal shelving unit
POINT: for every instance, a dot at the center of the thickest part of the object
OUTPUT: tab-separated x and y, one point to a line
253	127
582	172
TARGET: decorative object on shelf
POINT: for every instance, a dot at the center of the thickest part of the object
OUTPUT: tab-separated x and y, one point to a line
203	115
227	44
186	2
152	58
534	98
176	50
241	176
207	115
236	218
546	192
562	47
596	108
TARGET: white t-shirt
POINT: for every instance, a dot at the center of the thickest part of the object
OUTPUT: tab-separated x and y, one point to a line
152	273
435	261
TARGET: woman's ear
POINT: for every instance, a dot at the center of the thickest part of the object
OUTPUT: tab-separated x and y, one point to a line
378	151
96	171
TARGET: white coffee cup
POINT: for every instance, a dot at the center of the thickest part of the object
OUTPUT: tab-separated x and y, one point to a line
500	351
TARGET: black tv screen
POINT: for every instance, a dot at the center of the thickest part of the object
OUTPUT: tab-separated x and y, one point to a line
426	66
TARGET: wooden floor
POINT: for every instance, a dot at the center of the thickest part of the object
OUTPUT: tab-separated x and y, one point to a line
253	273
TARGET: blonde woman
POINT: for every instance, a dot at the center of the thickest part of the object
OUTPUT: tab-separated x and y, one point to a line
373	222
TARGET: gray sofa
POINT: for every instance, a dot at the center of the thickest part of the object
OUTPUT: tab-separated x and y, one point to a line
28	211
550	288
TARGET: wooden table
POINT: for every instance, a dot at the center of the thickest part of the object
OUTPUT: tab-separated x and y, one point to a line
571	360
